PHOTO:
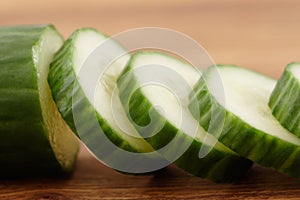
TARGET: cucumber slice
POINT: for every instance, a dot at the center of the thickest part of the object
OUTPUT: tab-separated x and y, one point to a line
148	89
34	139
285	99
95	113
249	129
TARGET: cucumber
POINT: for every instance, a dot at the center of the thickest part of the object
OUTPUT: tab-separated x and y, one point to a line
285	99
34	139
249	128
154	91
98	118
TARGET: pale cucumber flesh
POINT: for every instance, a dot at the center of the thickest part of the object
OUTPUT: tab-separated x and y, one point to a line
92	95
295	70
105	98
247	96
249	128
147	88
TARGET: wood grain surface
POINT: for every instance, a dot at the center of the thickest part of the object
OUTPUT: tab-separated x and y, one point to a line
261	35
93	180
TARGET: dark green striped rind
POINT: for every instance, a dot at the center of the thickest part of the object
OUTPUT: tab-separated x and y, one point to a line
247	141
70	98
285	100
18	75
218	165
25	149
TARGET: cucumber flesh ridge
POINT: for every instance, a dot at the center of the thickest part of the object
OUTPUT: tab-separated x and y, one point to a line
249	128
285	98
155	81
34	139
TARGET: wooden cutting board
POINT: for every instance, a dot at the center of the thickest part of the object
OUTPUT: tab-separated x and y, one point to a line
92	180
261	35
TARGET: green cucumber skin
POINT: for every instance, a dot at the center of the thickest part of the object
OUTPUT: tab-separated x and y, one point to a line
21	121
19	159
19	82
67	90
244	139
63	83
216	166
285	101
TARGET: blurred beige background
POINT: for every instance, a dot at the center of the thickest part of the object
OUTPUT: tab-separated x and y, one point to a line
262	35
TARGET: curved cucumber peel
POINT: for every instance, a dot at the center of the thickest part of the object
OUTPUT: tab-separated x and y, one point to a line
73	95
285	99
249	128
153	105
34	139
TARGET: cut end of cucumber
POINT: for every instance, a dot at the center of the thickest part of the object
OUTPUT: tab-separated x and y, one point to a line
105	98
247	95
90	63
63	141
167	82
250	128
86	41
294	68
